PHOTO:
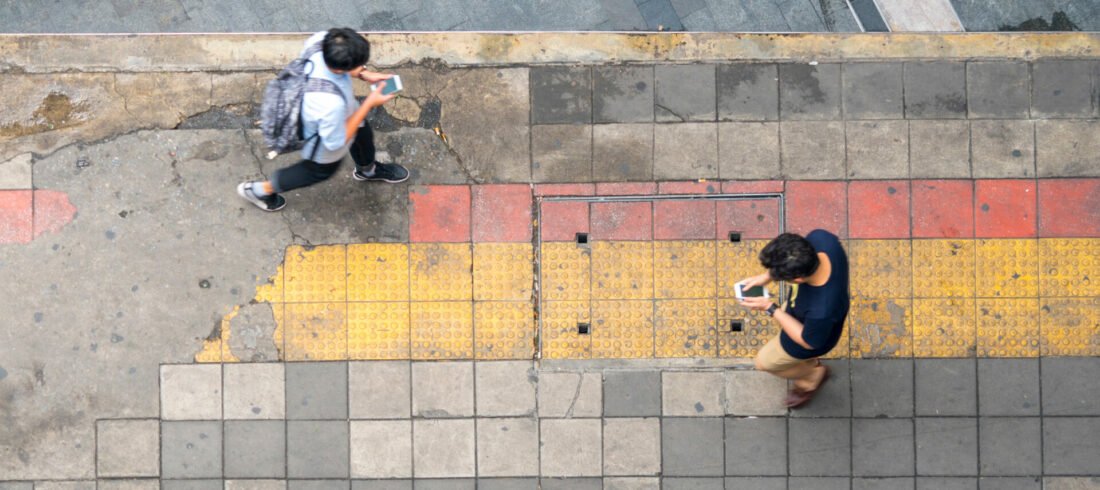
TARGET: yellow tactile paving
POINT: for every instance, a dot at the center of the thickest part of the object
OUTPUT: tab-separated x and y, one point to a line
1070	267
442	330
1069	326
378	272
881	327
271	290
756	330
315	274
558	335
686	328
504	330
684	269
1007	268
943	268
881	268
378	331
622	270
1008	327
622	329
736	261
503	271
441	272
566	270
316	332
944	327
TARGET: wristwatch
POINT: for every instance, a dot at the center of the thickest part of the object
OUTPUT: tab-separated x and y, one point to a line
771	309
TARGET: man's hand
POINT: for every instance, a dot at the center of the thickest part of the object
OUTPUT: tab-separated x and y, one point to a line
376	98
761	280
373	77
758	303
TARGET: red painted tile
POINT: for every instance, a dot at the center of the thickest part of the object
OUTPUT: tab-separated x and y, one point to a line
1005	208
501	213
751	186
943	209
626	188
439	213
560	221
878	209
52	211
1069	208
622	221
16	225
754	219
683	220
565	189
813	205
689	187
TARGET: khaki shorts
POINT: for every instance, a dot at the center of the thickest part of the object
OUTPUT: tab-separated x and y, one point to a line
773	359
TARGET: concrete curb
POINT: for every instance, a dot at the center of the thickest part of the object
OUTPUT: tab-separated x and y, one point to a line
261	52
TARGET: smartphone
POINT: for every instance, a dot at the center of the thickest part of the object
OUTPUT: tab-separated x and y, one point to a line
743	293
393	84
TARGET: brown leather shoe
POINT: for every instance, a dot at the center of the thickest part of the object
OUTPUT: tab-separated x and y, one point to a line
797	398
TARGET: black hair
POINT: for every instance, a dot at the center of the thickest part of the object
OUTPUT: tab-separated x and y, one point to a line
789	256
345	49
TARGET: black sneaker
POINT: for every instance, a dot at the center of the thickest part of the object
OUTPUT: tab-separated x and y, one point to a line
273	202
384	172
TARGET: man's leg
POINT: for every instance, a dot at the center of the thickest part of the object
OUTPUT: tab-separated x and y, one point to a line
805	374
265	194
366	165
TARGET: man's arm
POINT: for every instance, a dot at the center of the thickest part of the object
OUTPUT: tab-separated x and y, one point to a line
373	100
788	323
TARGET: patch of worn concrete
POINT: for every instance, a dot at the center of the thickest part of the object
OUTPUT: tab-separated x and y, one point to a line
253	330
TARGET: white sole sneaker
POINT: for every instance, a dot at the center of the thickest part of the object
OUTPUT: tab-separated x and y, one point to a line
273	203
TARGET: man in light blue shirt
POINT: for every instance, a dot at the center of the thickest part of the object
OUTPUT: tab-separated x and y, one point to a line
337	121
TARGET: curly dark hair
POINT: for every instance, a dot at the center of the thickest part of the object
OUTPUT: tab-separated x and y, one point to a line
345	49
789	256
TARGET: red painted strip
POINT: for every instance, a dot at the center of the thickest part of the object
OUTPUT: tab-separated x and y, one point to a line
502	213
1069	208
878	209
16	216
439	213
1005	208
943	208
812	205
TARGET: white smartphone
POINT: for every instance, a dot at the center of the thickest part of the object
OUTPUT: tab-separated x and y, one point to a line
393	84
742	293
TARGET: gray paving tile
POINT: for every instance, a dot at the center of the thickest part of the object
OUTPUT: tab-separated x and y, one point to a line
1071	483
873	91
622	94
190	449
808	92
756	483
380	448
622	152
127	448
632	446
748	92
106	484
191	392
380	389
693	394
685	151
998	89
317	449
255	391
1062	88
255	449
700	21
632	483
505	388
444	448
1071	385
756	446
381	485
684	93
748	150
882	447
622	14
946	387
1008	386
445	484
812	150
16	172
947	446
877	149
818	483
1002	149
318	484
632	394
1067	148
207	484
939	149
659	15
508	483
570	447
692	484
65	485
561	94
255	485
935	90
1010	446
443	389
317	390
571	484
882	387
685	8
946	483
16	485
570	394
895	483
561	153
507	447
835	399
1071	446
691	446
1012	483
820	447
